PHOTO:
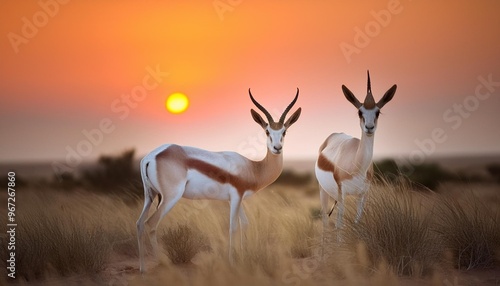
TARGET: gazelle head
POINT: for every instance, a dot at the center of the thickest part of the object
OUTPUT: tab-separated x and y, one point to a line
275	131
369	111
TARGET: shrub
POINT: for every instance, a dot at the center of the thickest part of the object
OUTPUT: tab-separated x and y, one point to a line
394	230
429	175
291	178
115	174
469	230
182	243
387	169
494	171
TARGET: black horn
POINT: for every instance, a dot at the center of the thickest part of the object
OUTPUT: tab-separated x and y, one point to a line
282	118
268	115
369	88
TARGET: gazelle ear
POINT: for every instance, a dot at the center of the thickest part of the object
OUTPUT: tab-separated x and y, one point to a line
350	96
292	119
258	118
387	96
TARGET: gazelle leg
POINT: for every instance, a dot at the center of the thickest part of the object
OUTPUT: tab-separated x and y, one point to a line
341	207
234	211
324	199
148	200
361	204
166	204
243	224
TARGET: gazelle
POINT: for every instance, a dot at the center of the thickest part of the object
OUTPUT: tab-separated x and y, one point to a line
344	163
172	171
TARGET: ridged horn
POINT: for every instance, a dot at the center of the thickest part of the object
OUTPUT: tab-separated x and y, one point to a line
369	100
266	113
369	86
283	116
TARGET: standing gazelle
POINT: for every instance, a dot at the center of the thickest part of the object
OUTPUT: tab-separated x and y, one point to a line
344	162
171	171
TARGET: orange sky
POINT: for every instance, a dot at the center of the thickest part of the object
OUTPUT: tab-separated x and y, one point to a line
66	67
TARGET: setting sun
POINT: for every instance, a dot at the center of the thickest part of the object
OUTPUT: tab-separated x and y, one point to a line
177	103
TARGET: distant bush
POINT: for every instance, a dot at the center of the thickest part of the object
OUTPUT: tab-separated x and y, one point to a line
387	167
289	177
429	175
494	170
65	181
115	174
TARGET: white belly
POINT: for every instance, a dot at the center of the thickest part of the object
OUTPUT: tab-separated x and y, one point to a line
354	186
327	182
200	186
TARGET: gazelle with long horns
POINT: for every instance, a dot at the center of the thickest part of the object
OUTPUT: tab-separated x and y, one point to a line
171	172
344	163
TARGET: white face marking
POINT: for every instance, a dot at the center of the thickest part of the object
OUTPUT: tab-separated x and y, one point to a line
275	139
368	119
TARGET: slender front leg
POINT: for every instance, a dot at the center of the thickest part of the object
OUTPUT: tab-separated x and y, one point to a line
243	224
234	209
340	213
361	200
361	204
324	197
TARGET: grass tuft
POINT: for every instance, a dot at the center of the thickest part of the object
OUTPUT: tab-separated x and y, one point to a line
182	243
394	230
470	231
51	244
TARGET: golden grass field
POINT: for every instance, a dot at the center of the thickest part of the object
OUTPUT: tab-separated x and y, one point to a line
405	237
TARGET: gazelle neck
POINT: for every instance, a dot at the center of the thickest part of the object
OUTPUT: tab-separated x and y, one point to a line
364	154
268	169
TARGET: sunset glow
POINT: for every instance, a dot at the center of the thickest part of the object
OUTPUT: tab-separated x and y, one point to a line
68	65
177	103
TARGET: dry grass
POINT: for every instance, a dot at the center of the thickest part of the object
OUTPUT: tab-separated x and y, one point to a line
470	231
402	234
61	235
396	231
182	243
50	243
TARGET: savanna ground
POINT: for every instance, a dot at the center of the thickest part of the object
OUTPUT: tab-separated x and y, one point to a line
408	235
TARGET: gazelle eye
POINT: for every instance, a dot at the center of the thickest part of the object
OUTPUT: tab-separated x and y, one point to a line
360	113
378	113
284	133
267	132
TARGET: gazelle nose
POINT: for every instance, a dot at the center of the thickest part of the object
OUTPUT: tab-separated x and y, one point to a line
370	128
278	148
